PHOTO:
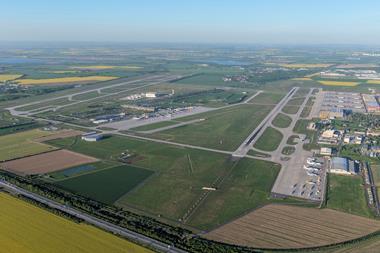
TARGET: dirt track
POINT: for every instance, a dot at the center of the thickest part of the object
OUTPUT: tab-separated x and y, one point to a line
46	162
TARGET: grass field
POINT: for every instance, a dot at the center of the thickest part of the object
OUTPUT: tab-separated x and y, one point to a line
22	144
270	140
247	187
267	98
180	173
282	121
155	125
25	228
288	150
290	109
107	185
346	193
63	80
223	129
339	83
9	77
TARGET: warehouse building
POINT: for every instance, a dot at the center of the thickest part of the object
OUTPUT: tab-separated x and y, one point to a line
344	166
92	137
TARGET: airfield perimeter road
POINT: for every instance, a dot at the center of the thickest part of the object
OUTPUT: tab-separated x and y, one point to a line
144	240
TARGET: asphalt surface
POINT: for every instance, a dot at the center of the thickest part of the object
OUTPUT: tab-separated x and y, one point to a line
144	240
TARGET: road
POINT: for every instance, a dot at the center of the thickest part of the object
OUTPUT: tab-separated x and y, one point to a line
256	133
144	240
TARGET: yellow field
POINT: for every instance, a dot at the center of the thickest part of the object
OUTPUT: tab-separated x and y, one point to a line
312	75
76	79
373	81
9	77
302	79
306	65
63	71
21	144
25	228
102	67
339	83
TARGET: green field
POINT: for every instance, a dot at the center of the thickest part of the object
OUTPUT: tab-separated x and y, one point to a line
267	98
21	144
246	188
288	150
346	193
222	129
155	125
270	140
282	120
180	172
290	109
107	185
293	140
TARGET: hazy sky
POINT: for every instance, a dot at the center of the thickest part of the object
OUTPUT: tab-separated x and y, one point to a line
224	21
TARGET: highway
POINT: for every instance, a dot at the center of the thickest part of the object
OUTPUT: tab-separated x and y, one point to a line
128	234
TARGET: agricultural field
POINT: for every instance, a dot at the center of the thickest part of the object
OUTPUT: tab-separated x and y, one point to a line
22	144
9	77
346	193
65	80
105	67
222	129
282	226
305	65
46	162
269	140
119	180
282	121
339	83
27	228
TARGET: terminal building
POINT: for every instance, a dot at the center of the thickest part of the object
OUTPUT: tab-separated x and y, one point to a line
344	166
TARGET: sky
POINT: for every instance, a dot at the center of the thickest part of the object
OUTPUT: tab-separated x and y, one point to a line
193	21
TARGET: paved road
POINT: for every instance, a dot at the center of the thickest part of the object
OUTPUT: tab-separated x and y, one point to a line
94	221
257	132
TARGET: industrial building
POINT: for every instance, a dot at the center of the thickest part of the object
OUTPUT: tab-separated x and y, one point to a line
371	103
92	137
344	166
325	151
338	104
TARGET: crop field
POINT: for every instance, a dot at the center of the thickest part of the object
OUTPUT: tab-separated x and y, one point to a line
346	193
27	228
22	144
270	140
46	162
222	129
247	187
281	226
282	120
107	185
8	77
64	80
339	83
373	81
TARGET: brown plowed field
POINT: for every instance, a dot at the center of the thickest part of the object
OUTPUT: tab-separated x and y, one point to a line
281	226
46	162
59	135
